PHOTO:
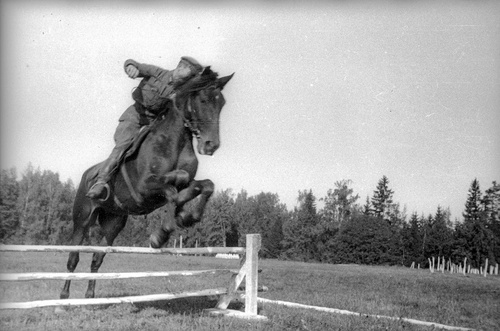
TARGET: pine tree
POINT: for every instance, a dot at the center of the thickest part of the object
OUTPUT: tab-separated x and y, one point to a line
473	203
426	226
413	240
439	235
473	238
382	199
367	208
491	205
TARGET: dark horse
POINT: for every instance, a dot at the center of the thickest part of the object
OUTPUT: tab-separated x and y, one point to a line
162	170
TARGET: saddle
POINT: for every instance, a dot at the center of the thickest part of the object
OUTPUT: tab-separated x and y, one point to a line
134	144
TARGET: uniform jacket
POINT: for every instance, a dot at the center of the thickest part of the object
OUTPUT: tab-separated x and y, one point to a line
155	87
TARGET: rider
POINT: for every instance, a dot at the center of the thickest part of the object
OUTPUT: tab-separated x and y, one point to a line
151	97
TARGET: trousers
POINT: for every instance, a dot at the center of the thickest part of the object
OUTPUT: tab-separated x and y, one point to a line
128	127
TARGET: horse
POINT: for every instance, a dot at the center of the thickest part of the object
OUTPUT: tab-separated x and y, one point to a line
160	170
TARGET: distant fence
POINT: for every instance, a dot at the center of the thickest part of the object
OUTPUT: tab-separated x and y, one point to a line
227	256
441	265
248	271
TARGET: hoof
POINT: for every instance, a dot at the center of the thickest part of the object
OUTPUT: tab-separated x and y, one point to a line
153	242
158	239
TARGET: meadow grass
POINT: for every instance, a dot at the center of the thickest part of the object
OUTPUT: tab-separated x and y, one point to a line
467	301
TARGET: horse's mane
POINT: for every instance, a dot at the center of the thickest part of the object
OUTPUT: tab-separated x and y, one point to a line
198	82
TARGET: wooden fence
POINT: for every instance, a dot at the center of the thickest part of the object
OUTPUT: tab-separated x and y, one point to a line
248	271
441	265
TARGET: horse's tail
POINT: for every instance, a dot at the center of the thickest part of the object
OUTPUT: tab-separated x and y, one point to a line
88	179
82	204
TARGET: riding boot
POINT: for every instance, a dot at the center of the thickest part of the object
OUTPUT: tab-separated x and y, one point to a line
100	190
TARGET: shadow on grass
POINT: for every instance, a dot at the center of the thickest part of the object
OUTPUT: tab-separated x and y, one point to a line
190	305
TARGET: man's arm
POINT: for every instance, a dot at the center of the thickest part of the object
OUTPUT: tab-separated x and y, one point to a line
135	69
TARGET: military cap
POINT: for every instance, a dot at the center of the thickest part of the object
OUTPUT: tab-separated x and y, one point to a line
192	63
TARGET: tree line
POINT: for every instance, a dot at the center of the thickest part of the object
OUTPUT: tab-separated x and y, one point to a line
36	209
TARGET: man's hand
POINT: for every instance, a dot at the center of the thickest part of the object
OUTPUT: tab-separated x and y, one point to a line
132	71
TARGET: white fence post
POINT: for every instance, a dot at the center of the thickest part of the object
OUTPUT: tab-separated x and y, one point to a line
251	279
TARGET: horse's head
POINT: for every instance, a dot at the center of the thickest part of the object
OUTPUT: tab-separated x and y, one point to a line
203	103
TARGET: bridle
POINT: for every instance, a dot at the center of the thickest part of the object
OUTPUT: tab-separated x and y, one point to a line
189	123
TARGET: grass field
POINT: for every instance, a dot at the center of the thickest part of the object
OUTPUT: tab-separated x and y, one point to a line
466	301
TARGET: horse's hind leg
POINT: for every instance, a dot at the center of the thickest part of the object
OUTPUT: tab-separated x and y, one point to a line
111	225
81	223
74	258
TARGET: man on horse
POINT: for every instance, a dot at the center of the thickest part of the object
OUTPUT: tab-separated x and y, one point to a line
151	97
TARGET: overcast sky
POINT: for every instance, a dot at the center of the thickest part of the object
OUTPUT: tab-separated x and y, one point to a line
322	92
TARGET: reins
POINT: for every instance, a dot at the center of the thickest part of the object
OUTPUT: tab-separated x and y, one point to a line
188	123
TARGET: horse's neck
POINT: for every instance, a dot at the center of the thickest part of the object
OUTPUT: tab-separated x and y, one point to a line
170	130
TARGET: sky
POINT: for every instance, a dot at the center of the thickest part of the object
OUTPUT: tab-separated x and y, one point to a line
322	91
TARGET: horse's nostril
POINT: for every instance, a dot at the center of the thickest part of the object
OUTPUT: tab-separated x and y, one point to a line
210	147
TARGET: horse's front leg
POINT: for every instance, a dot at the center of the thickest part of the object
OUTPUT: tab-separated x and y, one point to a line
203	188
170	183
173	181
184	218
165	186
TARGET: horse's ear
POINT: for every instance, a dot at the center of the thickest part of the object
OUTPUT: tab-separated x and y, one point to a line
221	82
206	71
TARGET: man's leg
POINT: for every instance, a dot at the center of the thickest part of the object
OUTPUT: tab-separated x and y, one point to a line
127	129
100	190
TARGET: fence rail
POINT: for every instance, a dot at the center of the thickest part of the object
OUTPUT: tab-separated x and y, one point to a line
121	249
101	276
